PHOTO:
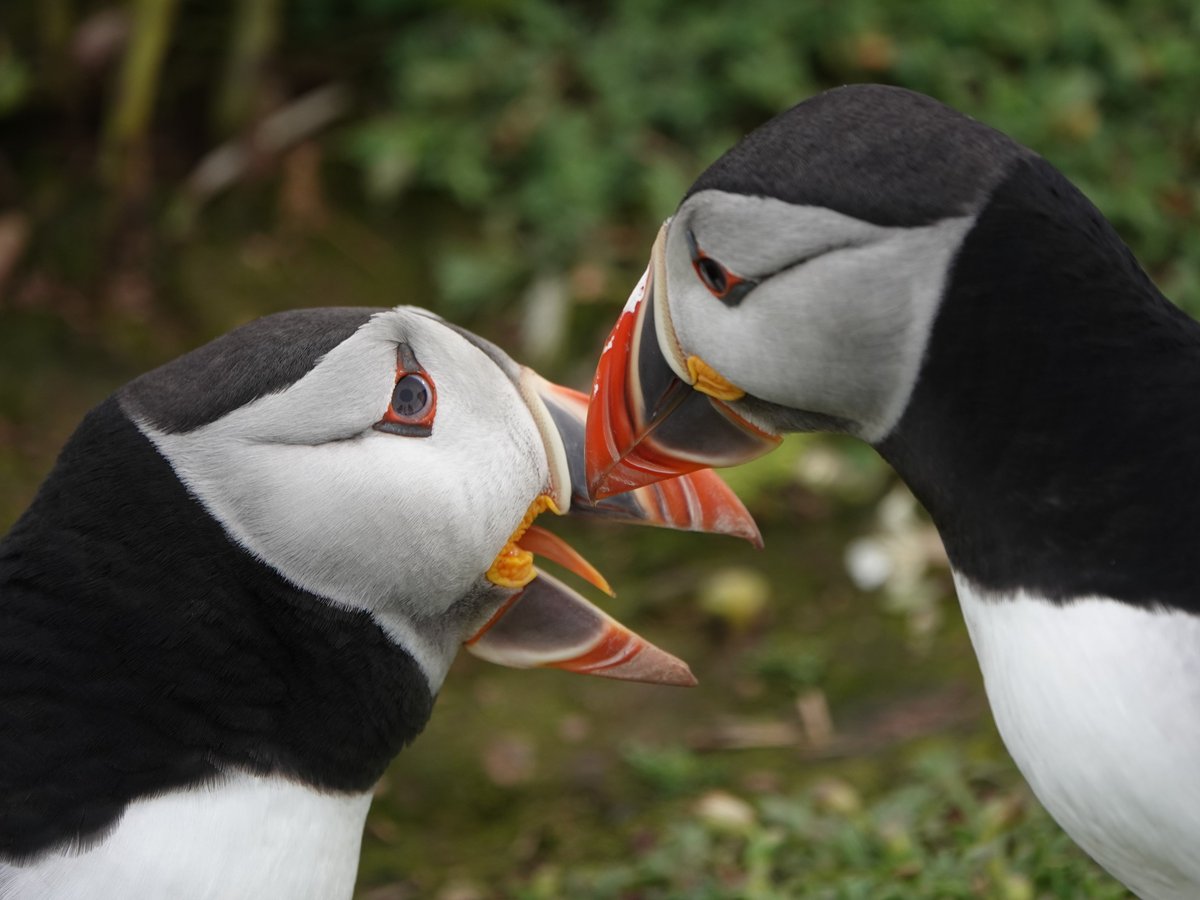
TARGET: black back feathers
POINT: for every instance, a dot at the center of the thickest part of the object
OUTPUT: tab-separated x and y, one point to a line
1054	432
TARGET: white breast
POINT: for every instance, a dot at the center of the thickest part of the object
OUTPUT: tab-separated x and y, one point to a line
245	837
1099	704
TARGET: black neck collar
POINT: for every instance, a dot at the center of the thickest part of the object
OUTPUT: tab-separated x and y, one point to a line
1054	432
141	650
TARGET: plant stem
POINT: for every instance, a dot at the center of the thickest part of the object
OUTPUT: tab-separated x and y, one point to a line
255	28
124	149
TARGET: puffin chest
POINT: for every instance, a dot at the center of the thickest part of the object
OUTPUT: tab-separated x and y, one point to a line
1099	704
245	836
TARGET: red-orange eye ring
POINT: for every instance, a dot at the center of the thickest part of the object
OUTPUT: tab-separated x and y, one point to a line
721	283
413	405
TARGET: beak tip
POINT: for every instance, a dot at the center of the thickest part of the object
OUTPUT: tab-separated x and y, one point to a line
754	537
683	677
601	490
747	529
600	479
653	665
602	470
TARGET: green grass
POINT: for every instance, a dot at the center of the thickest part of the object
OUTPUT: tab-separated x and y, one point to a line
951	824
543	784
495	143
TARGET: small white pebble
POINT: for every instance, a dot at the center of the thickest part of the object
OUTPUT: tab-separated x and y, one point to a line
868	563
723	811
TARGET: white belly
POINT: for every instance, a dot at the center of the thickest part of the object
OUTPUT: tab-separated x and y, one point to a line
1099	705
245	837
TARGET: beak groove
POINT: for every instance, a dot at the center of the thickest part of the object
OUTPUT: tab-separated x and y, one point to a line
657	412
701	502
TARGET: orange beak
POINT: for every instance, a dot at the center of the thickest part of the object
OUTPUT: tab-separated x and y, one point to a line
547	624
655	412
701	502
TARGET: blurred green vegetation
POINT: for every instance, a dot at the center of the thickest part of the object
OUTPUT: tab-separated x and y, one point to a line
171	168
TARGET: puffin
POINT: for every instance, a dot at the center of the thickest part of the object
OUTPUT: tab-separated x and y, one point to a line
873	263
236	595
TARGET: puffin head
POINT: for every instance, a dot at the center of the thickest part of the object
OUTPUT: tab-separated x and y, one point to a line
795	287
389	462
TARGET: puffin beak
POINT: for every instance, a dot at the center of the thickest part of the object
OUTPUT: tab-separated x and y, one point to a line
656	412
546	623
701	502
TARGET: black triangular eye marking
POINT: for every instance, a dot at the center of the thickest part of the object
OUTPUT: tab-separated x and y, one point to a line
406	360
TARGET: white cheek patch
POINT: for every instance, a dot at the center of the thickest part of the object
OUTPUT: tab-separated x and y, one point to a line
762	234
843	333
401	526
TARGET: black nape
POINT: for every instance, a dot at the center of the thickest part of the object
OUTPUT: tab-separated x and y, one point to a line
881	154
1054	432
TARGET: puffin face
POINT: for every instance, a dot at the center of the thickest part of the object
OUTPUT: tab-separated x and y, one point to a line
399	472
318	480
839	307
794	288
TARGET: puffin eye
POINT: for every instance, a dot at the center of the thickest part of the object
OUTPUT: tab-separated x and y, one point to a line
414	399
721	283
713	274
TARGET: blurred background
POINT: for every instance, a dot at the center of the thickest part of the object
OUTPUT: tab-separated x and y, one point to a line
172	168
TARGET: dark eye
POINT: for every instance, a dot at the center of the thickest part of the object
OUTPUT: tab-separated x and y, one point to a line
411	398
414	398
721	283
713	274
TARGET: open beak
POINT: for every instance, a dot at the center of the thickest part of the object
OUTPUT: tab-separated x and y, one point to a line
657	412
546	623
549	625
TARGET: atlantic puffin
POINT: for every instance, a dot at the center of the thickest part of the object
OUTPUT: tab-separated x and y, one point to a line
233	600
873	263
